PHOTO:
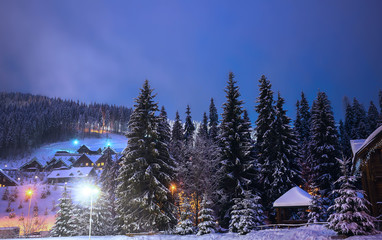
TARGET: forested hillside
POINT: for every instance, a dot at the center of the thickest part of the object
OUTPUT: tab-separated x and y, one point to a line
27	121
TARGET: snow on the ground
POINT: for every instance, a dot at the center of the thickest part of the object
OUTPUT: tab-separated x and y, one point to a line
47	151
312	232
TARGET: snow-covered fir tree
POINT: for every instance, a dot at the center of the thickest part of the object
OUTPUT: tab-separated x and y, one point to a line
286	171
316	211
185	225
246	213
350	215
323	145
108	182
61	227
213	123
176	144
206	217
236	155
79	221
372	118
302	129
143	203
360	127
265	138
189	127
203	129
102	219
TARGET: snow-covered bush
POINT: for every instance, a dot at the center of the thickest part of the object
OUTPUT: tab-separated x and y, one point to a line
185	225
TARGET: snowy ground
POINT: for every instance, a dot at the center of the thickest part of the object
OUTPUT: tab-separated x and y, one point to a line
47	151
314	232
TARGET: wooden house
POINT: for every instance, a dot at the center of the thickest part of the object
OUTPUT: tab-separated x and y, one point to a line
6	180
367	160
61	162
33	165
86	150
86	160
70	175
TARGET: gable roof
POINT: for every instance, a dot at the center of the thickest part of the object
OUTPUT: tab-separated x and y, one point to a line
356	145
31	161
8	177
295	197
369	142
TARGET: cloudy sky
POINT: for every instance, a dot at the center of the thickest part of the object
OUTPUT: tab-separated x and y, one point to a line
103	50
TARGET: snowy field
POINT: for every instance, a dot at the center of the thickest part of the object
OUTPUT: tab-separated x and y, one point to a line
47	151
313	232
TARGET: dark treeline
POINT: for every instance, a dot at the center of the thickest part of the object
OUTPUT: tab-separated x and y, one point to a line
27	121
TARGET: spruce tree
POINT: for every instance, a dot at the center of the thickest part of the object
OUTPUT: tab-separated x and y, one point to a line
372	118
214	122
206	217
189	127
61	227
302	129
236	158
79	222
185	225
266	136
316	210
246	214
351	212
344	140
286	172
102	219
143	203
203	129
177	144
360	129
323	145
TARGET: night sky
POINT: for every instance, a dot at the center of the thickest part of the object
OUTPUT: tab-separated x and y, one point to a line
103	50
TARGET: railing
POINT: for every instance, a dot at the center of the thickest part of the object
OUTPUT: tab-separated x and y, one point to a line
288	225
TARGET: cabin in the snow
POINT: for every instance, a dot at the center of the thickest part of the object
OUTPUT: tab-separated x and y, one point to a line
86	150
291	207
367	160
70	175
6	180
33	165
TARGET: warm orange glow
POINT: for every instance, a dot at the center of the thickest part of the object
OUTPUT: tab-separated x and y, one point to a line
29	192
173	187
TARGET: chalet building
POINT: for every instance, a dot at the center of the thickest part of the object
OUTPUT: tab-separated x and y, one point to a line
6	180
367	160
71	175
86	160
86	150
109	150
63	162
33	165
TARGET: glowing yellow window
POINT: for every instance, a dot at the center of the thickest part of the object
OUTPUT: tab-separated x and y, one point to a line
102	163
87	164
92	164
98	164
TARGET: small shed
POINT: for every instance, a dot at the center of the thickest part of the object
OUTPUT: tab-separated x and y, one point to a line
289	202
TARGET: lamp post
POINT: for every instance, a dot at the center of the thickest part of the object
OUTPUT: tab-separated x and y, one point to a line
29	193
90	191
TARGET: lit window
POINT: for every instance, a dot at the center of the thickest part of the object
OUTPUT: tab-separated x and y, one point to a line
92	164
102	164
6	165
98	164
87	164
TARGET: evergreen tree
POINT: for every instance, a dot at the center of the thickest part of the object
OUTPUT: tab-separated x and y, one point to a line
323	145
237	165
206	219
246	214
351	213
143	203
79	222
61	227
214	122
286	172
176	144
360	128
102	219
344	139
372	118
185	225
203	129
266	137
302	129
316	210
189	127
380	107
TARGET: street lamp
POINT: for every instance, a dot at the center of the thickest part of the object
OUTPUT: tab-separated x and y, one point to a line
90	191
29	193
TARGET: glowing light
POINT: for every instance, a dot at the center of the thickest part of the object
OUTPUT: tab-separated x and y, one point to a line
108	144
75	142
89	190
29	192
173	187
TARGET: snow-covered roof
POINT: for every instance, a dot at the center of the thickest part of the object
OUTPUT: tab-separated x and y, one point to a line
75	172
356	145
42	164
93	158
295	197
66	160
9	178
370	139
